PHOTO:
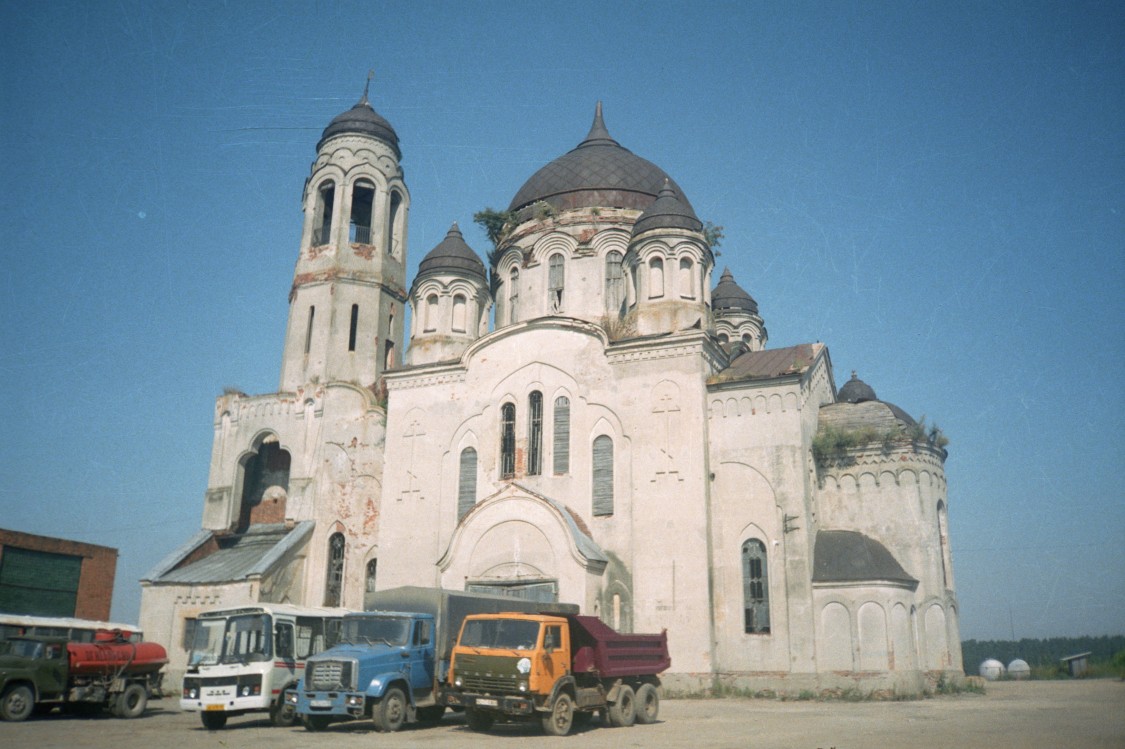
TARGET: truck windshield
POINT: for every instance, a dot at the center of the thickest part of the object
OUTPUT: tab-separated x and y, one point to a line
235	639
25	648
366	630
509	634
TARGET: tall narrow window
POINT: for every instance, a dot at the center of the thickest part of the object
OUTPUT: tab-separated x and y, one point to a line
614	282
369	580
514	296
562	435
431	314
460	314
535	434
755	588
334	585
655	278
603	475
309	330
359	225
555	281
467	482
687	278
322	228
353	328
389	346
943	543
508	440
393	232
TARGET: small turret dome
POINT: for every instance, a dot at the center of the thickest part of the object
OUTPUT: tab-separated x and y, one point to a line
362	119
667	212
728	295
452	254
855	390
598	172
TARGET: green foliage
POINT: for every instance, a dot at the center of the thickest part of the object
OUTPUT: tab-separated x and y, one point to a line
833	441
712	235
1043	655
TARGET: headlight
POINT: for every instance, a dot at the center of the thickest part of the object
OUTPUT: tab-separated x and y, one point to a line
291	698
523	686
457	682
246	691
524	665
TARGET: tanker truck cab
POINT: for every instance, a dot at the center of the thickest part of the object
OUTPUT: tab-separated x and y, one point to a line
382	668
242	660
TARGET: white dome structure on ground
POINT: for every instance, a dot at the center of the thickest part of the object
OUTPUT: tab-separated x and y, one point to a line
1018	669
991	669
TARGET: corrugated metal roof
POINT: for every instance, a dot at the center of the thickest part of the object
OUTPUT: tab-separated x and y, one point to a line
242	555
850	556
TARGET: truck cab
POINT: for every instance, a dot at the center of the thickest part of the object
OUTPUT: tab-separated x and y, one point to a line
32	670
382	668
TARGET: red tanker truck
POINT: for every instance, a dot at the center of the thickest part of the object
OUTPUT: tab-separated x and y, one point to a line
39	673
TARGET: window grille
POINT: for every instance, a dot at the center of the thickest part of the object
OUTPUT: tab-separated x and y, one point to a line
562	435
614	283
603	475
755	587
467	482
535	434
508	440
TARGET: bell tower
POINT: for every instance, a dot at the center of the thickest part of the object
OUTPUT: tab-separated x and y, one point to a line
346	306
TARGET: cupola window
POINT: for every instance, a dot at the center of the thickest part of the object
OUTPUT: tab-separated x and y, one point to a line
687	278
514	296
655	278
363	200
322	226
460	313
431	316
394	231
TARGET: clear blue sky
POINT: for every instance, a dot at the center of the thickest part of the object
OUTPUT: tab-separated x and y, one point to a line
935	190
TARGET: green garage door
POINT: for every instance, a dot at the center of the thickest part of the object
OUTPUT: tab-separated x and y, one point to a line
38	583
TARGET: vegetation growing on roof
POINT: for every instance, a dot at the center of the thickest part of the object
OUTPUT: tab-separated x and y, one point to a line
831	440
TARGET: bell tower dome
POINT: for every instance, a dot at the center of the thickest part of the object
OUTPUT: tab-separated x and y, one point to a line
346	306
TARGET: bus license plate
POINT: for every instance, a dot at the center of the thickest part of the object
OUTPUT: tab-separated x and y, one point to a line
486	702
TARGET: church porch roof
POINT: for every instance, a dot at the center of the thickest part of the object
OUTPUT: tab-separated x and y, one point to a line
240	556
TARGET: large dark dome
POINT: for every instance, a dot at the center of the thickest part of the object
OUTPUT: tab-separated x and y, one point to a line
599	172
362	119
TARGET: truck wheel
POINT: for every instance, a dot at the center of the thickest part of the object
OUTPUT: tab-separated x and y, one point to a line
430	715
316	722
17	703
622	713
131	703
282	714
648	704
478	720
213	721
561	718
390	712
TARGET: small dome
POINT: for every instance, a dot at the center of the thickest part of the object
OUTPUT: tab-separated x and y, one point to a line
991	669
728	295
452	254
362	120
598	172
667	212
855	390
1019	670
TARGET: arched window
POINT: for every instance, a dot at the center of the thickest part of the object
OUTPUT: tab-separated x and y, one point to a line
508	440
746	339
309	329
687	278
603	475
322	219
755	588
724	338
393	231
655	278
359	224
562	435
369	580
943	541
430	324
460	315
556	280
389	346
514	296
334	585
614	282
353	327
535	434
467	482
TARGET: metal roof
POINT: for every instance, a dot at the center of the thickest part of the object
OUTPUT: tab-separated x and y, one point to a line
850	556
729	295
239	556
667	212
451	254
771	363
362	119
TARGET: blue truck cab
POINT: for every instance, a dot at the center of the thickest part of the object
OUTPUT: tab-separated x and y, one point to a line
382	668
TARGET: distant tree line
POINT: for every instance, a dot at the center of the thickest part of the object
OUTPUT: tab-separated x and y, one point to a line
1042	653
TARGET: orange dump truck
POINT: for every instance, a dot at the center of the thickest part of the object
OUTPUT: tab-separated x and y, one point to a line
555	669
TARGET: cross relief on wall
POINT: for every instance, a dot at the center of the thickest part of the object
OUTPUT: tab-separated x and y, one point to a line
413	433
665	411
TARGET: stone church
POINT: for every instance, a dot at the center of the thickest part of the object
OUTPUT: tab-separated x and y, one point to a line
586	417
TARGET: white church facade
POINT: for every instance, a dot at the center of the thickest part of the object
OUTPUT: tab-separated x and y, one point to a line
589	417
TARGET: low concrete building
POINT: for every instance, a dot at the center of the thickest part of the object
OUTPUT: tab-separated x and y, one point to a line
619	436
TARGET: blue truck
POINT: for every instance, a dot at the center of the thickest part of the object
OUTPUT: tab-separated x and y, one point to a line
391	663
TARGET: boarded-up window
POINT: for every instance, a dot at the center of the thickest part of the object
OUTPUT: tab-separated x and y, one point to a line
562	435
431	314
459	314
467	482
555	281
655	278
507	440
514	297
687	278
603	475
535	434
39	582
755	588
614	282
334	585
353	328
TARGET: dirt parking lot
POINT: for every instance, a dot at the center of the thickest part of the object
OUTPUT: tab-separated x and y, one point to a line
1020	715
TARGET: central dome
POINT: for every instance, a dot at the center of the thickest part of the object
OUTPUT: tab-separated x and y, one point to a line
599	172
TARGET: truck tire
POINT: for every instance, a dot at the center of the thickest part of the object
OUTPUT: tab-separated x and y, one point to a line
17	703
559	721
478	720
623	712
316	723
282	714
131	702
648	704
389	713
213	721
431	715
